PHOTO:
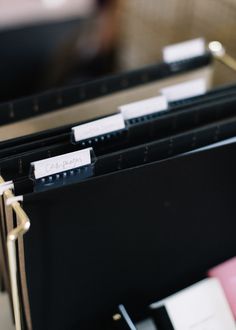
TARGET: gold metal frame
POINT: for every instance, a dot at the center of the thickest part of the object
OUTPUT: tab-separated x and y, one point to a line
219	53
12	237
24	223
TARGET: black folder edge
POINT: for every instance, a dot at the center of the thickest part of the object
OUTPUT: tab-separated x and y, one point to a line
159	128
147	154
59	134
28	197
60	98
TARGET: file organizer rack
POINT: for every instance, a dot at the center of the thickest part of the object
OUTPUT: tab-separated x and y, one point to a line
33	106
12	237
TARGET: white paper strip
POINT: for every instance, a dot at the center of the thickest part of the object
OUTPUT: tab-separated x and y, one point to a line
144	107
61	163
184	50
185	90
201	306
98	127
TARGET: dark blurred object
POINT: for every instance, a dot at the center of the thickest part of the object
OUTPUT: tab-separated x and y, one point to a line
46	43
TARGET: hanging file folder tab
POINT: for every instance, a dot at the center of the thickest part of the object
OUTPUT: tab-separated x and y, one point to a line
99	129
62	163
185	90
184	50
59	170
144	108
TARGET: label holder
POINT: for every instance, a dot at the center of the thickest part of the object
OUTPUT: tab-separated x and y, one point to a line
63	169
144	109
99	131
184	50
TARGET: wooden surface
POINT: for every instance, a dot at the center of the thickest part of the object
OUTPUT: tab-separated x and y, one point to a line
148	25
5	317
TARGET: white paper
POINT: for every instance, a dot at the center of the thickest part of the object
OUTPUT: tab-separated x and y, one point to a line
61	163
202	306
98	127
184	50
185	90
144	107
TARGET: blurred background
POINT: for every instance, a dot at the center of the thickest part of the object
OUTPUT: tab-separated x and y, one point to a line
51	43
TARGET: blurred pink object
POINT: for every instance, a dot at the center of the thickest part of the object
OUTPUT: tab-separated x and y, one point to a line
226	274
24	12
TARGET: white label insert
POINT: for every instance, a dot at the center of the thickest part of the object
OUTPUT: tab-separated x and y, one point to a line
144	107
62	163
185	90
98	127
184	50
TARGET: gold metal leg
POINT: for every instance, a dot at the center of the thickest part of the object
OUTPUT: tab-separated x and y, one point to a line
219	53
12	237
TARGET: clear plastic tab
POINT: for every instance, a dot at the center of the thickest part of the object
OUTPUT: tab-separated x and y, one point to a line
99	128
63	169
185	90
144	107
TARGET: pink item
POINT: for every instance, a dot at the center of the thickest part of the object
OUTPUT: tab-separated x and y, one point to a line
226	274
